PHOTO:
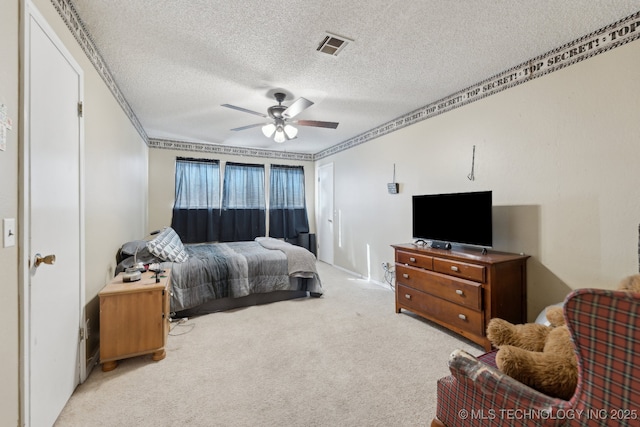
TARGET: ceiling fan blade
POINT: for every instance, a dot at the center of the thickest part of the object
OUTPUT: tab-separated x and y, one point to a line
249	126
315	123
233	107
297	107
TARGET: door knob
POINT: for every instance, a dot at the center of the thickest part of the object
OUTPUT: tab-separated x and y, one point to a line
39	259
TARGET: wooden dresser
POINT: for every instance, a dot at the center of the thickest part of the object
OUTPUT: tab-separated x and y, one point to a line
461	289
134	318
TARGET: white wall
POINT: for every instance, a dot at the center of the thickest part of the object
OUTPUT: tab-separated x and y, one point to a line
162	181
9	78
560	154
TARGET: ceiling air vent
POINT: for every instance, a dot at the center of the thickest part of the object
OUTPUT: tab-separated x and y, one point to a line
332	44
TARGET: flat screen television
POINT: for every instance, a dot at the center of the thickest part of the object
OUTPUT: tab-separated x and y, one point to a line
455	218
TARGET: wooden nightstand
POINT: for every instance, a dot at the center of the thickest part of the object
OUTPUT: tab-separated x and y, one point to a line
134	318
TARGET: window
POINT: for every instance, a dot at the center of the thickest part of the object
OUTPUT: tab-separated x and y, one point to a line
196	211
243	214
202	214
287	205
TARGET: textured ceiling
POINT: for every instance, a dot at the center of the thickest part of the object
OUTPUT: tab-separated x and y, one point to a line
176	62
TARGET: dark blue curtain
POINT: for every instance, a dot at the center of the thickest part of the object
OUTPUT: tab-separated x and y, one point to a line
287	204
243	214
196	211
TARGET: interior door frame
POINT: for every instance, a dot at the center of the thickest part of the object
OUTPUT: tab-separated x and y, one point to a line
28	12
328	254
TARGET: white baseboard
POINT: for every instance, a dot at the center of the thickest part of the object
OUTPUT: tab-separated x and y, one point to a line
360	276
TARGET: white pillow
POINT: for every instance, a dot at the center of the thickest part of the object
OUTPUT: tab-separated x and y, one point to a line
168	246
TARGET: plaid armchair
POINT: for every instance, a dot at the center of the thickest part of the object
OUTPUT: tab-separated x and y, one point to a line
605	329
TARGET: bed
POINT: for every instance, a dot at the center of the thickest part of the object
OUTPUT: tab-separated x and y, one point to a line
209	277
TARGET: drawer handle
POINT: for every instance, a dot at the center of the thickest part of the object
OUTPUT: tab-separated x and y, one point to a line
412	259
459	292
407	296
462	316
454	268
405	275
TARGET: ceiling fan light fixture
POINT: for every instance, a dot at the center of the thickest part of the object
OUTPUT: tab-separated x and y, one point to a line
268	130
290	131
279	129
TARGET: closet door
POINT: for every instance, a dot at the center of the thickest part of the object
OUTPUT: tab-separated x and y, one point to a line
54	294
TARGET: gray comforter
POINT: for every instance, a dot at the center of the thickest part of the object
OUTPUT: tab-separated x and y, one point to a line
237	269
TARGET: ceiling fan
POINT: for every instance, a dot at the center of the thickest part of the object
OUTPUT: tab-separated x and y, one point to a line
281	127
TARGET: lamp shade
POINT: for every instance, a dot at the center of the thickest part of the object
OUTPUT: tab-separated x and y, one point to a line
290	131
279	137
268	130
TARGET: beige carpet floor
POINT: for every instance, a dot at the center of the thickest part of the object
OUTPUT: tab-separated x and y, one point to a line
346	359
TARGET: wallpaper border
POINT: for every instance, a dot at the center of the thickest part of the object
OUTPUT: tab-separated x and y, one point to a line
595	43
68	13
228	150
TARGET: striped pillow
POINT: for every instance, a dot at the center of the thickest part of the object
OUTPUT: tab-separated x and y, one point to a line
167	246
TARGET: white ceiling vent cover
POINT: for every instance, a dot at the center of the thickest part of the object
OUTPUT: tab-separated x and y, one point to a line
332	44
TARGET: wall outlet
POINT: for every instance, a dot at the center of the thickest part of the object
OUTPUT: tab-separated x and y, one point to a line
9	232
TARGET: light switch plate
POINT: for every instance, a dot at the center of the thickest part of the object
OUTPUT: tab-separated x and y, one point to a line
9	232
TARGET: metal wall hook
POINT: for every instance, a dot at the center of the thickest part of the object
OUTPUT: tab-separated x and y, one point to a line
471	176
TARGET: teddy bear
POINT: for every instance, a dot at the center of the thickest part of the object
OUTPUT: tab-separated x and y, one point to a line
537	355
542	356
630	283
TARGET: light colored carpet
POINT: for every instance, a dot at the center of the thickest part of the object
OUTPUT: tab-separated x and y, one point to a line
346	359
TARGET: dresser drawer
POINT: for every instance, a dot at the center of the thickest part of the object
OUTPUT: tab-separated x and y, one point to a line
416	260
441	311
456	290
474	272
